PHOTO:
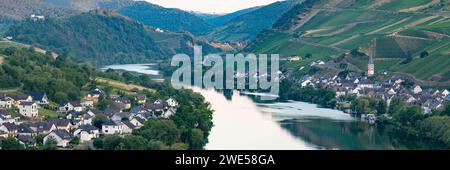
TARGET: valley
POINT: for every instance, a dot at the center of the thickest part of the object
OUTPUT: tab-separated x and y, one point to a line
354	74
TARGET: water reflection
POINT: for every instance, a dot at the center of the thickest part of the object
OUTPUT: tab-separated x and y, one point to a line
239	124
242	123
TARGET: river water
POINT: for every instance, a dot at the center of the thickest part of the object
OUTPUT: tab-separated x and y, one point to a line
241	123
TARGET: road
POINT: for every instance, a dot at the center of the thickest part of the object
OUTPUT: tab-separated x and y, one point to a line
123	85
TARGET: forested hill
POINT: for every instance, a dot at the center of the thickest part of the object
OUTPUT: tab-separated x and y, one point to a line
165	18
20	9
170	19
412	37
246	26
103	37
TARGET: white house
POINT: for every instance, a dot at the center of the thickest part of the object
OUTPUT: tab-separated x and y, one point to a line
6	102
169	112
111	127
87	103
9	128
445	92
28	109
21	98
62	137
128	127
71	106
137	121
172	102
5	118
26	140
61	124
87	133
39	98
87	119
295	58
417	89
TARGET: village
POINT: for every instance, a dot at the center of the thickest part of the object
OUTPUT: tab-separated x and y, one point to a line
359	85
22	117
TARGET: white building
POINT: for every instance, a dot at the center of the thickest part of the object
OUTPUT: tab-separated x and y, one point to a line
5	118
445	92
28	109
110	128
6	102
417	89
87	133
62	137
71	106
172	102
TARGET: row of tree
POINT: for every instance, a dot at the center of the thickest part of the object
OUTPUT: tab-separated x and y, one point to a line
321	96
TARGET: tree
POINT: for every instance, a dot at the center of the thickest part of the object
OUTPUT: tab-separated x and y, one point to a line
99	120
156	145
11	143
424	54
179	146
361	105
343	66
409	58
381	107
112	142
134	143
309	55
196	139
39	139
75	141
50	144
446	110
163	130
98	143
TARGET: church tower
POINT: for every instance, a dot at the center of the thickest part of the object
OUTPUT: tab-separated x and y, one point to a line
371	65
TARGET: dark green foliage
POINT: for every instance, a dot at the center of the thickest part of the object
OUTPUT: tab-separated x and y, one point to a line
19	9
165	18
11	143
424	54
99	120
163	130
98	37
104	37
61	79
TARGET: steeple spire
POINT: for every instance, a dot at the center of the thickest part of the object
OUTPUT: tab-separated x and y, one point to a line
372	53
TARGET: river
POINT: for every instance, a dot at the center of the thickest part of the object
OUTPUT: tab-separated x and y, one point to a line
241	123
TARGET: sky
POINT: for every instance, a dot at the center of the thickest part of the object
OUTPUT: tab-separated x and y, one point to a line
211	6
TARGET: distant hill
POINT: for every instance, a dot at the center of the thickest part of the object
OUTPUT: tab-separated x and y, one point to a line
20	9
205	16
222	19
245	27
103	37
165	18
170	19
13	11
327	29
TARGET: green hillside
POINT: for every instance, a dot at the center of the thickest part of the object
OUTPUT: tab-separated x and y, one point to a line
104	37
246	27
329	28
222	19
170	19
